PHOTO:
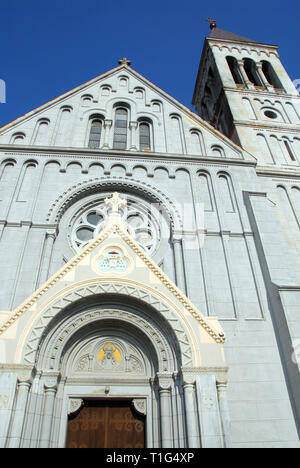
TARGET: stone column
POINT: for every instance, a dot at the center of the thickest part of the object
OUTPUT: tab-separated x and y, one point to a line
165	411
107	126
8	384
23	387
262	77
179	268
47	254
50	388
209	412
244	74
224	412
190	415
133	135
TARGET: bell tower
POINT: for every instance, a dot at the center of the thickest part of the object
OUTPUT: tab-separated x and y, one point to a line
243	90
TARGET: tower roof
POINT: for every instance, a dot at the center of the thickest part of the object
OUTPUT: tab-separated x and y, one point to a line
217	33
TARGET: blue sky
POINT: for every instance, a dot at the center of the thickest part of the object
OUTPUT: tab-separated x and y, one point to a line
48	48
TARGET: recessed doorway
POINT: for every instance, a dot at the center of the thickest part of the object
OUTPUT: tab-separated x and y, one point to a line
106	424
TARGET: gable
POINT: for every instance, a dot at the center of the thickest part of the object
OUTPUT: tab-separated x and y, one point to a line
112	263
66	121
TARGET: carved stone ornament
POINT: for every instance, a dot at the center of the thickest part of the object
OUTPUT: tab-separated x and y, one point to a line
147	191
140	405
164	381
208	402
50	380
33	341
4	400
74	405
109	356
50	383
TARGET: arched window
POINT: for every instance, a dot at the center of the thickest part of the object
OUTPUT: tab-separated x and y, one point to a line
17	138
105	90
251	71
139	93
270	75
218	151
156	106
95	133
120	131
41	136
233	66
144	136
86	99
27	179
289	149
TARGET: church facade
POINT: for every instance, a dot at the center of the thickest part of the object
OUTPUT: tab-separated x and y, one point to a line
150	279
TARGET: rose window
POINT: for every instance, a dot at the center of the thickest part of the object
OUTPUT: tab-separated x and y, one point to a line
139	217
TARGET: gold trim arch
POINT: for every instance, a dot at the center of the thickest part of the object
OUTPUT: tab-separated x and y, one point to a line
166	311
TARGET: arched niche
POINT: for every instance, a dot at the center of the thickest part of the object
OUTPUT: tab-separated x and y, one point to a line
129	314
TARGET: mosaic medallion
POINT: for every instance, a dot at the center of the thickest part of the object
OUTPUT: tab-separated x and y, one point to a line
113	261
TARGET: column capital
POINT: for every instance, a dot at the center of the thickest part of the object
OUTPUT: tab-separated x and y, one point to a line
50	380
108	123
24	376
189	374
133	124
177	238
164	381
51	233
188	378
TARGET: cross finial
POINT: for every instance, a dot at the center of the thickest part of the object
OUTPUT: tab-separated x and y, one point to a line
115	203
212	22
125	61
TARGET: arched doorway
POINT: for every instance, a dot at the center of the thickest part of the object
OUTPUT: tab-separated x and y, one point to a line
110	365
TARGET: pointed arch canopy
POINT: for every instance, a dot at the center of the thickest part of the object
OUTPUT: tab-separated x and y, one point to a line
94	303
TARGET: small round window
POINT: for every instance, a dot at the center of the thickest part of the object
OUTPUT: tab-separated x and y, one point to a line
270	114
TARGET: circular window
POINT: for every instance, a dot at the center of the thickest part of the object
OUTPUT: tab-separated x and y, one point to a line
270	114
140	217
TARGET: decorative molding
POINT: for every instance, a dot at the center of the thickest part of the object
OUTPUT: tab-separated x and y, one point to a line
164	381
103	184
189	374
50	380
72	325
140	405
75	404
110	355
4	401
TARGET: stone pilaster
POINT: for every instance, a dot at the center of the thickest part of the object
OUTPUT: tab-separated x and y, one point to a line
164	388
50	389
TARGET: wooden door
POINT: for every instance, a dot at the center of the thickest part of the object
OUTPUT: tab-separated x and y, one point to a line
102	424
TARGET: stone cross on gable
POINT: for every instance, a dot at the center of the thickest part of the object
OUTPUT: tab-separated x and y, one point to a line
125	61
115	203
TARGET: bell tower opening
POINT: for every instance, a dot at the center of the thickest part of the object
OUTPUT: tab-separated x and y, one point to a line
251	92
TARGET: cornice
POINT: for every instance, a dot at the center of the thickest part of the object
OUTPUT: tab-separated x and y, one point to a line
132	156
281	173
243	44
262	93
281	126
